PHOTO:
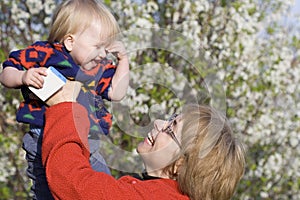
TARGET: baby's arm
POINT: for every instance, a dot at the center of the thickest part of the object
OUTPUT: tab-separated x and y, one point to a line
120	80
12	78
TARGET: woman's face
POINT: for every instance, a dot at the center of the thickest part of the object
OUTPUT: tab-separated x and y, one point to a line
159	148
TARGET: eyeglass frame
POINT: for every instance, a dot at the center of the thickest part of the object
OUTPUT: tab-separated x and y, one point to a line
169	129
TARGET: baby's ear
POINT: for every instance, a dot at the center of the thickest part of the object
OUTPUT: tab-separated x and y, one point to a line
69	41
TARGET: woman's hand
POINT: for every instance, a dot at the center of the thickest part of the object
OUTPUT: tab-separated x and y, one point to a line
68	93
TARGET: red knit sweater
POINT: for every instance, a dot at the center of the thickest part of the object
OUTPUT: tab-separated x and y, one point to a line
66	158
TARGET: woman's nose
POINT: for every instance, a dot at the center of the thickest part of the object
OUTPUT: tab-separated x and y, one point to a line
159	124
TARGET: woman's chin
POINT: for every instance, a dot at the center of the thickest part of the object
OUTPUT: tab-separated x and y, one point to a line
143	147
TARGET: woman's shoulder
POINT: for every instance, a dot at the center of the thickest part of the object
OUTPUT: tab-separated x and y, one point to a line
155	187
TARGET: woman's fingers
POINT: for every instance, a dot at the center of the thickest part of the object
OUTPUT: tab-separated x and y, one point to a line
68	93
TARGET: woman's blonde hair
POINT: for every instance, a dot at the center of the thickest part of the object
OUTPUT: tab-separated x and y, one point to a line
212	160
72	16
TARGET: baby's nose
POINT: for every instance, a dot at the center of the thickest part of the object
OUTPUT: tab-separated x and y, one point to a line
102	53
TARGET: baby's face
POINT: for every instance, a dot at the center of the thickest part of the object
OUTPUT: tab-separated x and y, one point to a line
89	47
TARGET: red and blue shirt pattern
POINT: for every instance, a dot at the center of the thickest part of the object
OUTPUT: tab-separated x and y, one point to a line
96	83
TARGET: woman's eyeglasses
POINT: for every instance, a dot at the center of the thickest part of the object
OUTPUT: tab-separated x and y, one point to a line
169	129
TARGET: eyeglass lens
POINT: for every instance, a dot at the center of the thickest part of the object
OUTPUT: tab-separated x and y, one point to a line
169	130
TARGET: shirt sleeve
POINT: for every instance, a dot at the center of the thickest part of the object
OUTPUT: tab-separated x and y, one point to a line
65	156
43	54
15	60
104	84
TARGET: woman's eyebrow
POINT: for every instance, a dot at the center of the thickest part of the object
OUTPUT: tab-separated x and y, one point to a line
178	118
176	121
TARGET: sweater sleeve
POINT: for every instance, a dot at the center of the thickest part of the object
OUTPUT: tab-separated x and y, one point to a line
15	60
65	156
35	55
44	54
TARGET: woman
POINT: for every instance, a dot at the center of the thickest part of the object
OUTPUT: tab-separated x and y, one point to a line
192	156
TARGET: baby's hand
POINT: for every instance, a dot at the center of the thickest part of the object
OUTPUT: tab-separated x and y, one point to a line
118	46
120	80
34	77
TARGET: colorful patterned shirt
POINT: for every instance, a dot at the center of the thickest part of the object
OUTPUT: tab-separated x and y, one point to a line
96	83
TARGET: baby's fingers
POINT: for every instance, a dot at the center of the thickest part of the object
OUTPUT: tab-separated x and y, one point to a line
38	81
42	71
35	81
34	77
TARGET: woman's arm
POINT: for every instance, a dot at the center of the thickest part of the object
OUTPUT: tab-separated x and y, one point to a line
65	155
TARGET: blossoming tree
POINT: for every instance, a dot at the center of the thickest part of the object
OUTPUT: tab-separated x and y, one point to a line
239	56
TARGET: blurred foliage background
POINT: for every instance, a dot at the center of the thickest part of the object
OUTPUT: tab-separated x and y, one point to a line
239	56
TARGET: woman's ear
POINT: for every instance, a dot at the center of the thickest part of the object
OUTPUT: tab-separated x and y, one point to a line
178	164
69	41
